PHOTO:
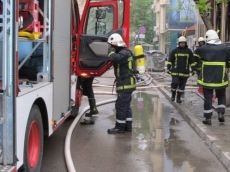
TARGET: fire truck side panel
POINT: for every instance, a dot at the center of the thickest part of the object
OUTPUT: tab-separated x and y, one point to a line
24	102
61	57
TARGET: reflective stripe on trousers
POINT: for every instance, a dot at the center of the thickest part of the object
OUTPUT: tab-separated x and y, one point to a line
221	97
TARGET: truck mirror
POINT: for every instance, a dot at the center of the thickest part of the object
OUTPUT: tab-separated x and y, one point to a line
100	14
100	28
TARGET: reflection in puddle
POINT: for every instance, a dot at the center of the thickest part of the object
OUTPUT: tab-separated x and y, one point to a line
154	134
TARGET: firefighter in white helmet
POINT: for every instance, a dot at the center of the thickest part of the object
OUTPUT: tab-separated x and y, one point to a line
201	42
215	59
122	60
180	60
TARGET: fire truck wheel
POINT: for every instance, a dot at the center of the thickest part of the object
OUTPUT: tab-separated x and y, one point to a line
33	146
74	112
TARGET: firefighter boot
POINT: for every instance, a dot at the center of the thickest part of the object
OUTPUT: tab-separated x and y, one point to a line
173	95
128	126
221	117
93	108
178	100
207	121
119	128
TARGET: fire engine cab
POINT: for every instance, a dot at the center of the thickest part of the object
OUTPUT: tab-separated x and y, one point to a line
44	47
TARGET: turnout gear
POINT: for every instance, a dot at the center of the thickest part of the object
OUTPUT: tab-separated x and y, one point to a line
178	100
201	42
180	60
86	85
93	108
116	40
119	128
221	117
122	60
128	126
123	69
173	95
207	121
214	59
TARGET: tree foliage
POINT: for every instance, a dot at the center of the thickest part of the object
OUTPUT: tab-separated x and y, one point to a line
204	6
142	15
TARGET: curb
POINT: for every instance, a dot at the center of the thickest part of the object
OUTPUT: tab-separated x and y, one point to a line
214	143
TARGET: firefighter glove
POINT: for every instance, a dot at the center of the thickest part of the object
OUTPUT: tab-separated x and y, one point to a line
111	49
168	66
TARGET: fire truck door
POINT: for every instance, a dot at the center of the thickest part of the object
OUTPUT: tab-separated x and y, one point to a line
98	22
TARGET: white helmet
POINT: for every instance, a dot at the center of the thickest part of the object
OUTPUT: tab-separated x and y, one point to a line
201	39
182	39
116	40
211	35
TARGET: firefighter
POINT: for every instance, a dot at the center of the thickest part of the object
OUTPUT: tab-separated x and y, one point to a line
125	83
87	88
201	41
180	60
215	59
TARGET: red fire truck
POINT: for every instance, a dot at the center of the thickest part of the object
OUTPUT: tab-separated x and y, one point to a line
44	47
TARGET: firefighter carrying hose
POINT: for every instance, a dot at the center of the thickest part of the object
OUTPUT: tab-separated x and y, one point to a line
125	83
180	60
215	59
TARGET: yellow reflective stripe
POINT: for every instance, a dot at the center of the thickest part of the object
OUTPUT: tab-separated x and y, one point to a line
196	55
132	85
111	53
193	64
125	87
214	63
130	59
169	63
213	84
187	61
183	54
176	61
118	70
180	74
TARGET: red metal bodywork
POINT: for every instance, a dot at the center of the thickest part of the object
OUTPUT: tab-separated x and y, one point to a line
82	30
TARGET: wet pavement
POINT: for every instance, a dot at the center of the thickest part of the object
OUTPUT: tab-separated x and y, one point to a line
216	136
166	136
161	140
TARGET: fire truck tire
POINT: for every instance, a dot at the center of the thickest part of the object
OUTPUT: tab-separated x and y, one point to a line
34	140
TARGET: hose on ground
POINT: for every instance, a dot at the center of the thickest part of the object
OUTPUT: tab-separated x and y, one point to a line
68	158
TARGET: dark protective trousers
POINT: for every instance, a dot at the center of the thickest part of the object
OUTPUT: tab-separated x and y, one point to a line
123	109
87	87
178	83
208	95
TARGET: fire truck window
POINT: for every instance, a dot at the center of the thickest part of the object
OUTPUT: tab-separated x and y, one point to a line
121	13
100	25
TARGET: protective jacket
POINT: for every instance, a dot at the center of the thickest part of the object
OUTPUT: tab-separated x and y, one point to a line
180	61
123	69
197	59
214	59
